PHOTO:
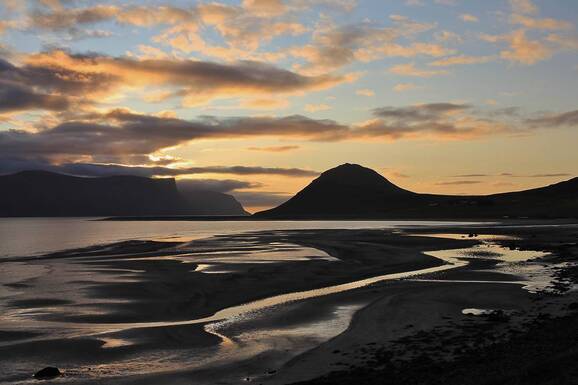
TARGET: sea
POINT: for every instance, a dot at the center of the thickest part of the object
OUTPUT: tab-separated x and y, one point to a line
36	236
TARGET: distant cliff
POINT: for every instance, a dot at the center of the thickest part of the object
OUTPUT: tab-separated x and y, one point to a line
353	191
42	194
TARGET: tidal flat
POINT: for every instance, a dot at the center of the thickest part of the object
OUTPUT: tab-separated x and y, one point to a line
283	306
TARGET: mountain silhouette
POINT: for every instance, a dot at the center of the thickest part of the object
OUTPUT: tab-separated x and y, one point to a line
353	191
43	193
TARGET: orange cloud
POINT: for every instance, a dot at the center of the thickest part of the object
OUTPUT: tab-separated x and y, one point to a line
317	107
545	24
466	17
521	50
195	82
461	60
274	148
409	69
402	87
365	92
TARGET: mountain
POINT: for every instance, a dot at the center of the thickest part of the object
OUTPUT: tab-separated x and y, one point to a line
42	194
353	191
205	202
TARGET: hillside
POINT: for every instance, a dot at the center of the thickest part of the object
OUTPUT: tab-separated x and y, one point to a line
353	191
44	194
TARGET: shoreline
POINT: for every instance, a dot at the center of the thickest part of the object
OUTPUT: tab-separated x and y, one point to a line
149	271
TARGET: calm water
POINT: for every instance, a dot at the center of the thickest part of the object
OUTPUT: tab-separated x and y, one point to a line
32	236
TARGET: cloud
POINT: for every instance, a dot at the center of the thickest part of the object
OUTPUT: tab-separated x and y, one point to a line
555	175
448	121
420	112
123	133
317	107
70	18
524	50
333	47
123	136
523	6
365	92
14	164
402	87
468	18
471	175
563	42
510	175
414	3
544	24
461	60
243	28
274	148
264	103
521	49
458	183
448	36
17	97
563	119
195	82
409	69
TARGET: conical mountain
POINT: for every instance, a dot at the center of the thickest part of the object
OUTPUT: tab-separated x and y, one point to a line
348	190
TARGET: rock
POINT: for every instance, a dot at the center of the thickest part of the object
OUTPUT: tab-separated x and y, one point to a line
47	373
498	316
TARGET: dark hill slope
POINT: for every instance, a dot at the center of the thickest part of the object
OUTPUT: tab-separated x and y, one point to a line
347	190
353	191
42	194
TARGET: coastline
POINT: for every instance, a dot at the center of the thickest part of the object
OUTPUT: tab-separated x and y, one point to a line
141	276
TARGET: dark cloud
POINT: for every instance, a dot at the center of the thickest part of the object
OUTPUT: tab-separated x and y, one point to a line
13	164
437	120
419	113
38	87
15	97
506	112
70	18
57	79
73	19
564	119
124	133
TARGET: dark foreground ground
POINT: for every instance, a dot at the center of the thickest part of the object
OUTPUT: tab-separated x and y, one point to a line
542	350
546	354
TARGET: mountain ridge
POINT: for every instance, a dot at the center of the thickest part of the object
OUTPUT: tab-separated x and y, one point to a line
334	195
39	193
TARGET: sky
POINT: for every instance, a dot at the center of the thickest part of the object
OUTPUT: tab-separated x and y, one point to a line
257	97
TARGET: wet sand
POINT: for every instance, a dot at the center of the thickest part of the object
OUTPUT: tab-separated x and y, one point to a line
144	312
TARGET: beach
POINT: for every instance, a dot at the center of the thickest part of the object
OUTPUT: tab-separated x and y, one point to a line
281	306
